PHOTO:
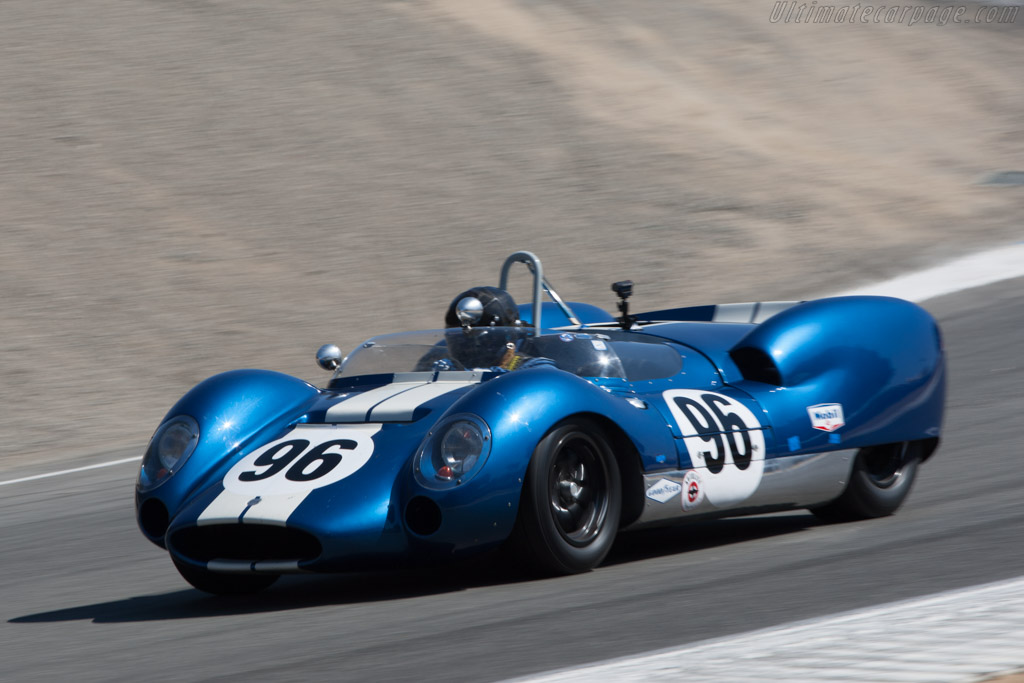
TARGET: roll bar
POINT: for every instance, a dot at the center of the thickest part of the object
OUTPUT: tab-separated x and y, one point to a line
540	283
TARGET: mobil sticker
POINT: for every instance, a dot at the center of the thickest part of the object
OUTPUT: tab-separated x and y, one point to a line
828	417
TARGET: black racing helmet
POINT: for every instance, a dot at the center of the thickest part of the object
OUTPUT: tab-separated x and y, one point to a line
500	308
485	343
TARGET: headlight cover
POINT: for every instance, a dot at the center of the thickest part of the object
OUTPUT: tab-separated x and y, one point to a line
452	452
168	450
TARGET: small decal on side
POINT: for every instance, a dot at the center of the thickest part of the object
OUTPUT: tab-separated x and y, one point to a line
828	417
693	490
663	490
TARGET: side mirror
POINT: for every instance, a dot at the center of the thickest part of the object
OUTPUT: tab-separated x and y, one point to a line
328	357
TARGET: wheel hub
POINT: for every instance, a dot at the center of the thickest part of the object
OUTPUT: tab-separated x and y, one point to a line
570	485
578	495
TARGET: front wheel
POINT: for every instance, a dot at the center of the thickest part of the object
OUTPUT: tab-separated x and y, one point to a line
881	480
223	584
571	500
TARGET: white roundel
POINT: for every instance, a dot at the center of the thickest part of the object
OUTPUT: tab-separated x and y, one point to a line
724	440
693	491
306	458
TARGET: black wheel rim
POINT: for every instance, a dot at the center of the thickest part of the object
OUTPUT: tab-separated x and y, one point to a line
578	489
885	466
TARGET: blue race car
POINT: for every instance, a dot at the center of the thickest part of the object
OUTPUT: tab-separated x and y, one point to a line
545	428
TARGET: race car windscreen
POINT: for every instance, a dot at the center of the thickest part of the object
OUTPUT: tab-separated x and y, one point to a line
496	349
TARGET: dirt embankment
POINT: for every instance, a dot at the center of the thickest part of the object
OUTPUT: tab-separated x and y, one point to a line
189	187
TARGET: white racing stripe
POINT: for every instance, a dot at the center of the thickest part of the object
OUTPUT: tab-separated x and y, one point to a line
950	637
225	508
228	508
274	510
401	407
734	313
769	308
356	409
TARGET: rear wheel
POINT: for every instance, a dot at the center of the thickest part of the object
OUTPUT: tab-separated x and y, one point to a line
879	483
223	584
571	501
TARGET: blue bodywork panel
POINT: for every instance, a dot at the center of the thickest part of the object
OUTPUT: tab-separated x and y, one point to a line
880	358
712	340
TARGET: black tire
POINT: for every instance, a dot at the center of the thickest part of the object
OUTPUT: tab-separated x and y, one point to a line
881	480
224	584
571	501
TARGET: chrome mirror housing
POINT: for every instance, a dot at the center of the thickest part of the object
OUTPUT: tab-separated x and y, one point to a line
328	357
469	310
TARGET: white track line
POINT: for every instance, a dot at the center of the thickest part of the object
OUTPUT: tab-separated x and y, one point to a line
72	470
972	271
955	636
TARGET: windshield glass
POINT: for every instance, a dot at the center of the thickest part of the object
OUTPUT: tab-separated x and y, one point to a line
496	349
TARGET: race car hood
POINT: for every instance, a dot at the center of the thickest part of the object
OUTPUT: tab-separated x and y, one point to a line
332	478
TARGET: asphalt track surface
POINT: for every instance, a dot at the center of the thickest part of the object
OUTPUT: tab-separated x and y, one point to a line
85	597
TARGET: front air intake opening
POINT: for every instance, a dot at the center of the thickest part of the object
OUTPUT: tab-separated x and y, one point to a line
153	518
254	542
422	516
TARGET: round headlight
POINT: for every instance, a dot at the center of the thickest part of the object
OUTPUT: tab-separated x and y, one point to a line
168	450
176	440
461	446
453	452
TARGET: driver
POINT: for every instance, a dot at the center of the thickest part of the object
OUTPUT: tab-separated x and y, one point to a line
491	340
487	342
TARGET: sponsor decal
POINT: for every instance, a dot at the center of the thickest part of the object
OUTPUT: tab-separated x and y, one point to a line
693	490
599	345
663	490
828	417
725	441
566	337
